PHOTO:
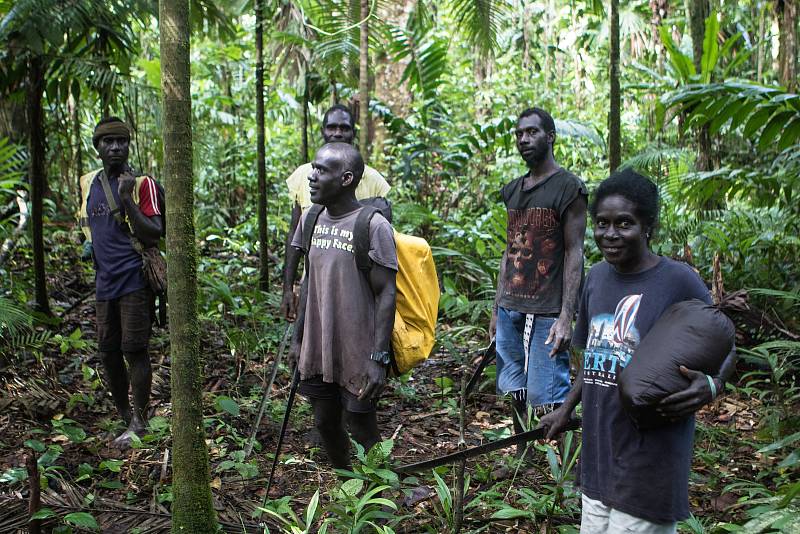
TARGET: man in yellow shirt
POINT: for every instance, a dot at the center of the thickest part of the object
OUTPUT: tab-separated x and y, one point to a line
338	126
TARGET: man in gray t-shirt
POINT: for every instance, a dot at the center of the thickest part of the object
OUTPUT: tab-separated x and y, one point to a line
345	327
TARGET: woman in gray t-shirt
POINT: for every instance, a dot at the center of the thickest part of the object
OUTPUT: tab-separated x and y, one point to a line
632	480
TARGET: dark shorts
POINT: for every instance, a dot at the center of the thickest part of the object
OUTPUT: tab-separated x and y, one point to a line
124	323
315	388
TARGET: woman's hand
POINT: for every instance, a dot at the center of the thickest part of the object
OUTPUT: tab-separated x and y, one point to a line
556	421
684	403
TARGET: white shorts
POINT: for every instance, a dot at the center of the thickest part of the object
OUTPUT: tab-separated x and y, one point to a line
597	518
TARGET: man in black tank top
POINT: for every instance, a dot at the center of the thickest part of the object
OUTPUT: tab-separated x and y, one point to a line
540	273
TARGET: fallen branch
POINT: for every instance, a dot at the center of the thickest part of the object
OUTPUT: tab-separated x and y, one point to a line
78	302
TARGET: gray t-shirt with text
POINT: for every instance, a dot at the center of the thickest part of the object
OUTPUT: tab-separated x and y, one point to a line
339	332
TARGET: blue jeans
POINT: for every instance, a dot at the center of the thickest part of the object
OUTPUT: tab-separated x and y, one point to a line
546	379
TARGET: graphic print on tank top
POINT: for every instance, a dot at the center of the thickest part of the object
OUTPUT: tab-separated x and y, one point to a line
534	236
611	342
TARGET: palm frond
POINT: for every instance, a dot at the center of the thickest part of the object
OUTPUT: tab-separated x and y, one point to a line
654	157
480	21
426	54
767	115
572	128
14	319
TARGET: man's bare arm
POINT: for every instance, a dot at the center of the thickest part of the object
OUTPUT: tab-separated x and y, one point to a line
574	230
501	275
299	326
291	262
384	286
699	392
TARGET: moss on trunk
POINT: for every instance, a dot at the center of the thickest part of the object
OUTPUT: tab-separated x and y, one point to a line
192	510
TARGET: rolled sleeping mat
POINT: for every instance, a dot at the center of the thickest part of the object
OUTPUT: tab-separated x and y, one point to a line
689	333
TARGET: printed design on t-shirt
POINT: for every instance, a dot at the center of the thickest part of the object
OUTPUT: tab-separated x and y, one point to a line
101	209
533	236
330	236
612	340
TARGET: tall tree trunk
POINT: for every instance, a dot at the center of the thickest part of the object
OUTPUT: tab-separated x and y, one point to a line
614	130
363	83
526	38
263	250
36	175
787	42
698	12
76	132
192	510
304	123
762	43
546	48
659	10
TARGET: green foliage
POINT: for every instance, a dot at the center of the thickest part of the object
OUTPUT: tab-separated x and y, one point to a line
449	80
768	116
774	383
83	520
357	504
292	524
445	509
480	20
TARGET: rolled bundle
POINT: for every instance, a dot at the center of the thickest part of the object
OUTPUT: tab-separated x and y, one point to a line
689	333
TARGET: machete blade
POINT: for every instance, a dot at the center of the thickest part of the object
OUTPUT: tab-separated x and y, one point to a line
522	437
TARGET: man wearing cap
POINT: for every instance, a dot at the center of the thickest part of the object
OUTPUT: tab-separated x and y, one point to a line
124	300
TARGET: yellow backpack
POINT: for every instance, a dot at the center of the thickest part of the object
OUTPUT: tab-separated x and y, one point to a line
414	332
417	303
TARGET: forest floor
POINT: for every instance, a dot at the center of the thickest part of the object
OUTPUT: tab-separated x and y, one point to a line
56	404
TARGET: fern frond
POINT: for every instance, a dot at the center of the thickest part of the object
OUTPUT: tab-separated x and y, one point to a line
27	340
13	318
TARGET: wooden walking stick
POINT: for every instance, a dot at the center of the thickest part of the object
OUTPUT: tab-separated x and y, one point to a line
489	354
267	391
289	402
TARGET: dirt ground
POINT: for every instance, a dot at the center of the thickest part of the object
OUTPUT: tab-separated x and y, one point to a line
129	490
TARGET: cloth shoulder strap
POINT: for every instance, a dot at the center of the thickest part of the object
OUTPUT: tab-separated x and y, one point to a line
361	237
309	224
308	230
112	204
117	213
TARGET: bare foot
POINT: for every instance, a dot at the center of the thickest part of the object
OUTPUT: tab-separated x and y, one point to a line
135	429
124	440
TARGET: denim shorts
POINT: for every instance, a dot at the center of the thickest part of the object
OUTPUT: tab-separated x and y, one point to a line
546	379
